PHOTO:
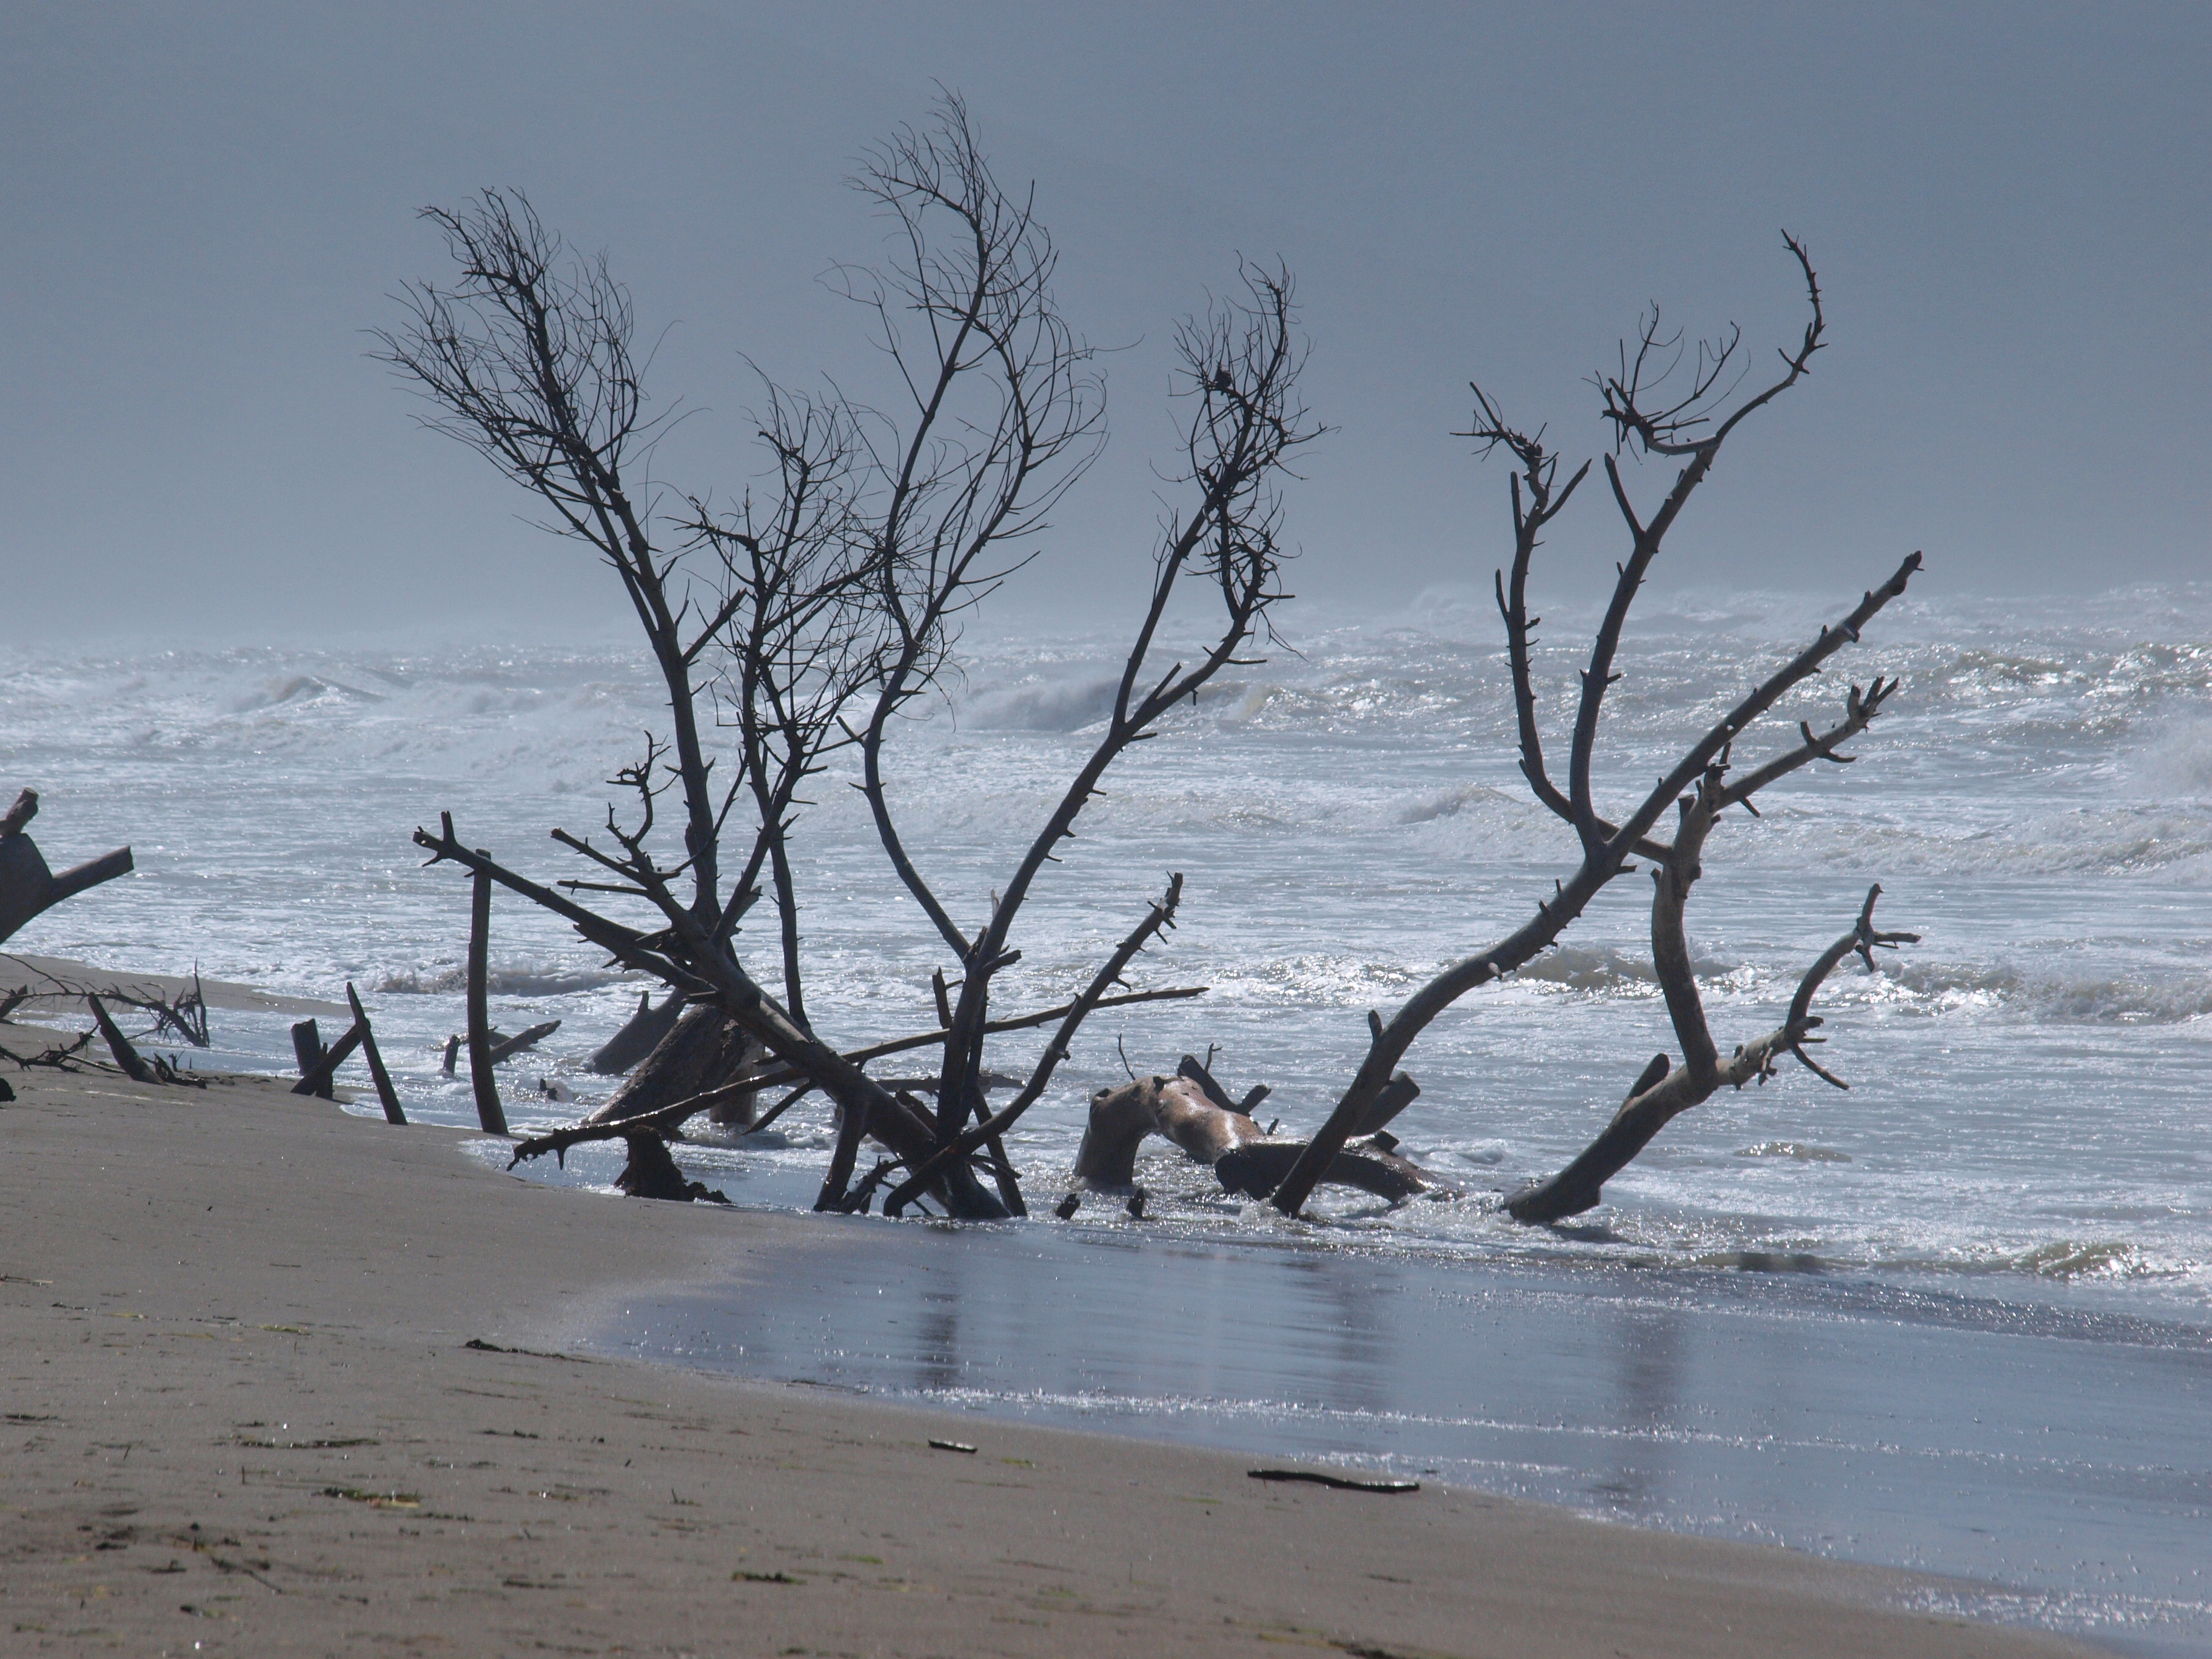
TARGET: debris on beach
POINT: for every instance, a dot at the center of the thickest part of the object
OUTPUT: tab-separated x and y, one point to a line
319	1064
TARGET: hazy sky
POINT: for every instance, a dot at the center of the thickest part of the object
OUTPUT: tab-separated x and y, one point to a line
204	206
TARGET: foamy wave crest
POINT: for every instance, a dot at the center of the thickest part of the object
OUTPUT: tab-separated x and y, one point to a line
2065	1260
2179	763
2088	1001
1577	968
523	981
1041	705
300	689
1450	803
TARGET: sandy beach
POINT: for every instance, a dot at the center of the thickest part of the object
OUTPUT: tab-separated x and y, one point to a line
283	1380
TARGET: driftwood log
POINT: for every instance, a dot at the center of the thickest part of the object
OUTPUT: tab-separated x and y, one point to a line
387	1095
1195	1112
505	1048
27	888
704	1052
126	1057
638	1036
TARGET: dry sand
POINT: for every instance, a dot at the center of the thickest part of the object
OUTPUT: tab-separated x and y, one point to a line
242	1416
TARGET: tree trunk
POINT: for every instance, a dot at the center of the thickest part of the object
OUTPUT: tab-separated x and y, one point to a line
307	1049
704	1050
125	1056
651	1173
491	1116
639	1036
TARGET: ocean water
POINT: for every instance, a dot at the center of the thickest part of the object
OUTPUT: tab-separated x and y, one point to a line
2025	1139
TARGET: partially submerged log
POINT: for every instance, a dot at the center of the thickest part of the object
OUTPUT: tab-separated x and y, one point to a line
705	1051
1193	1110
27	888
133	1065
504	1047
639	1036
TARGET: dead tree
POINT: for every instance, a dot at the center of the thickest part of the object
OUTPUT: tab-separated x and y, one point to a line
1663	1092
975	268
639	1036
27	888
915	519
527	359
1689	429
797	583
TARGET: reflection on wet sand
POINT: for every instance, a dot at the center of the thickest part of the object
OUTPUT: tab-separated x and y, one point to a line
2060	1452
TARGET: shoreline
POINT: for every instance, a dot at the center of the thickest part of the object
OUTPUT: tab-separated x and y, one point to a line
245	1413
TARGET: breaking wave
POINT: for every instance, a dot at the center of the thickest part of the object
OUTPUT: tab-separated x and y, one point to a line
511	981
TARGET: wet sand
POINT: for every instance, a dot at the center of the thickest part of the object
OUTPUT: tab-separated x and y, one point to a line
56	985
242	1414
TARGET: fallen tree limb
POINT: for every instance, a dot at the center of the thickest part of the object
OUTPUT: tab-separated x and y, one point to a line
125	1056
27	888
1339	1482
1188	1110
386	1094
506	1047
1662	1093
58	1056
317	1081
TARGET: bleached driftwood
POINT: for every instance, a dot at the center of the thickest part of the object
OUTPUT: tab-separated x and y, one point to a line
1194	1111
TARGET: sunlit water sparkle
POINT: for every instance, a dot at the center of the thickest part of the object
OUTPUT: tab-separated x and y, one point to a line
2026	1127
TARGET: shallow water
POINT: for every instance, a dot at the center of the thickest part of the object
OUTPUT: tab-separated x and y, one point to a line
2026	1127
2061	1452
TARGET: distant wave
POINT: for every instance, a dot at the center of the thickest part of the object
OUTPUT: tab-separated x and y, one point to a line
532	982
1063	706
301	688
2094	1000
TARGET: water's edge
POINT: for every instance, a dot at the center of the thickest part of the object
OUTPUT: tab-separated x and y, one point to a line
1842	1416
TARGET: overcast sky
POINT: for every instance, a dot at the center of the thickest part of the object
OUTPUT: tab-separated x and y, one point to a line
204	206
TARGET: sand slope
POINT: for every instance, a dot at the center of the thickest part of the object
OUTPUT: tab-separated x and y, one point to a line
241	1417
